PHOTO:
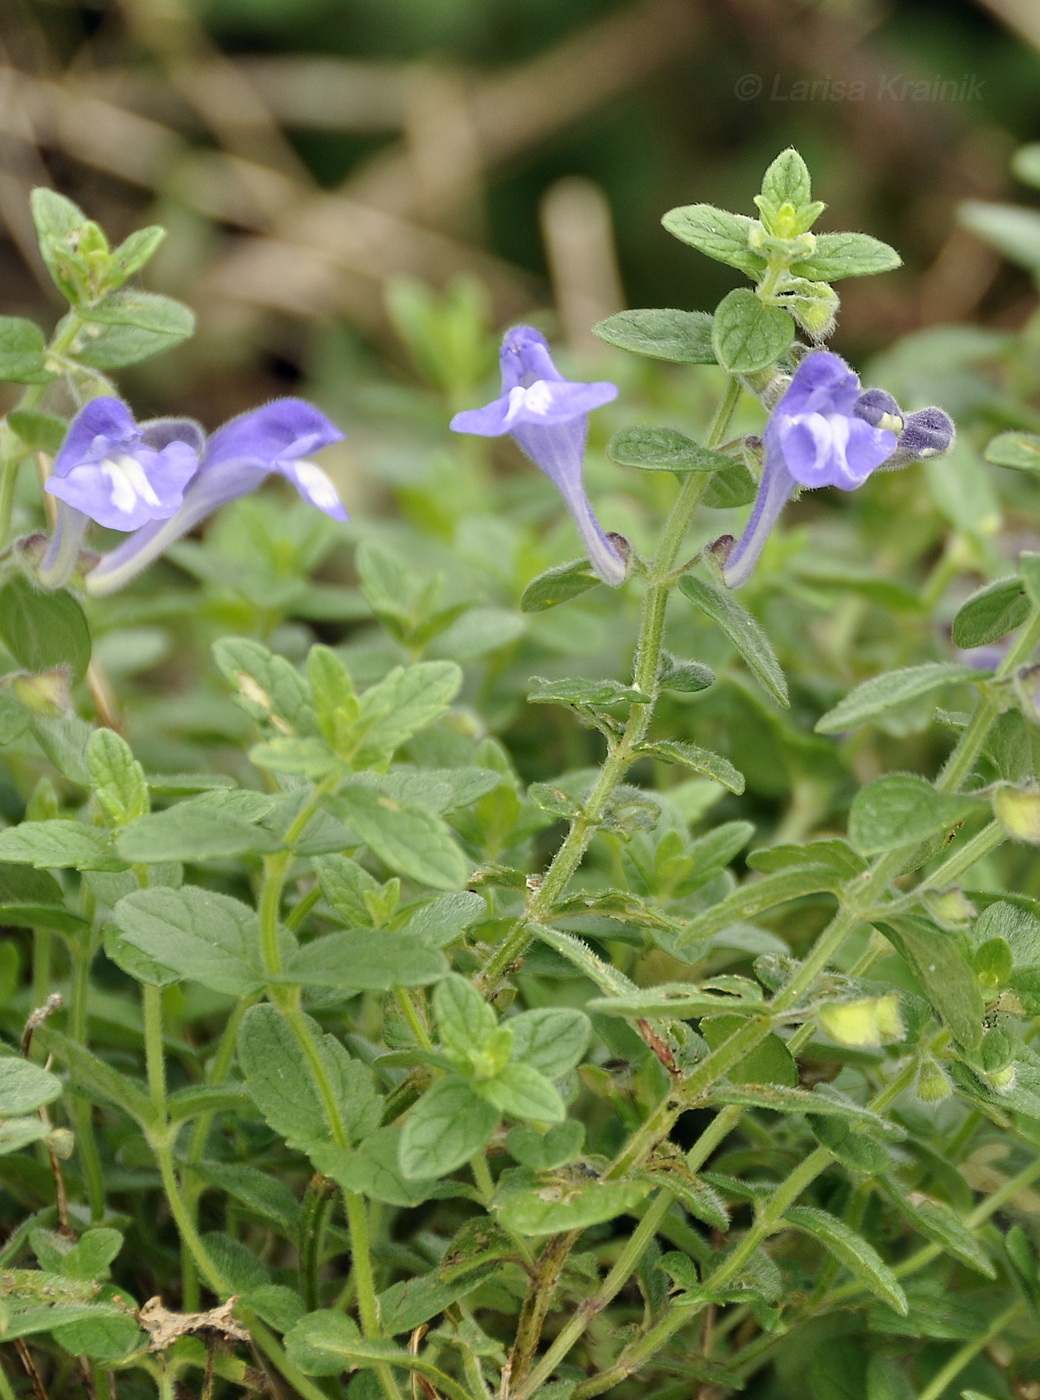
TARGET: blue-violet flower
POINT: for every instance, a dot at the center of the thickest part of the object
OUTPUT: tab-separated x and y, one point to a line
158	479
547	416
827	431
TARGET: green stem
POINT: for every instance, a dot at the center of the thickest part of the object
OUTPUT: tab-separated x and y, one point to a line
482	1175
626	1264
12	451
82	1110
982	844
317	1205
540	1293
963	758
957	1362
622	753
411	1014
155	1059
769	1221
43	944
6	1389
287	1000
361	1256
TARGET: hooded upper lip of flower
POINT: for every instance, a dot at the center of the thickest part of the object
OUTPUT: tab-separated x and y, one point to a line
827	431
158	479
547	415
120	474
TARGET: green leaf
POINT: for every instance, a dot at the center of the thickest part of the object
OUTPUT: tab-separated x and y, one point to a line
372	1170
59	845
900	809
97	1078
712	765
558	585
882	693
521	1092
51	1318
43	630
686	677
684	337
551	1040
465	1021
663	450
601	974
344	885
14	719
991	613
25	1087
202	936
1019	451
716	233
1029	572
40	432
326	1343
860	1258
58	222
770	1062
407	1305
676	1001
939	1222
1009	228
701	1200
408	700
104	1336
941	964
365	960
23	352
742	630
852	1148
281	1085
847	255
822	1101
117	778
261	1192
193	831
574	1205
546	1151
90	1257
410	840
134	251
441	920
266	686
729	489
755	898
787	180
576	690
127	327
321	1343
827	850
748	334
448	1125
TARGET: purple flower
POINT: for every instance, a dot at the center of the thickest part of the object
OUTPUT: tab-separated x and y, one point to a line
276	438
547	415
120	474
826	431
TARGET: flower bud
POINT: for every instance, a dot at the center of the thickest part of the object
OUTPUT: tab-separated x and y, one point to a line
928	433
932	1085
869	1021
45	693
949	908
1018	810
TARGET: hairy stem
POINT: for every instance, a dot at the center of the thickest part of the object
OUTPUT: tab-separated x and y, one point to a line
622	754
